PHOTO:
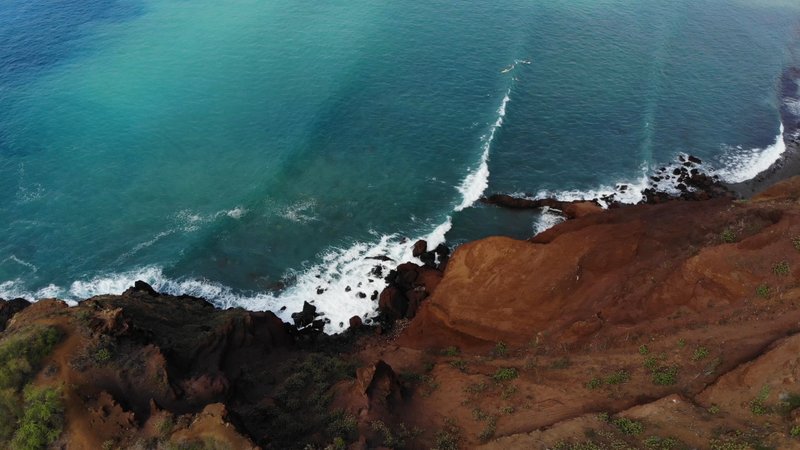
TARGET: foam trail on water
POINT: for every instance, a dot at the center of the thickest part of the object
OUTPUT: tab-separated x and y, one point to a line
741	165
477	181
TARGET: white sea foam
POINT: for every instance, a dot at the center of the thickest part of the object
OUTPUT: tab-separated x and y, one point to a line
548	219
476	182
21	262
339	268
744	164
300	212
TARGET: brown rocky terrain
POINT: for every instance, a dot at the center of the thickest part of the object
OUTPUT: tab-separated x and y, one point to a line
669	325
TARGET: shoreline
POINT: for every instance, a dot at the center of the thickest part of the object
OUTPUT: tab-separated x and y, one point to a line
788	164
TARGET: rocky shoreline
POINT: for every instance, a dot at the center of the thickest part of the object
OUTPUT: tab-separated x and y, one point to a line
671	324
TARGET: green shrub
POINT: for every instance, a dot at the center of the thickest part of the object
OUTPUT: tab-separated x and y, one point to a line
42	421
643	350
21	354
781	269
448	437
700	353
451	351
594	383
505	374
795	431
628	426
618	377
665	376
728	236
796	242
500	350
681	343
763	291
758	405
660	443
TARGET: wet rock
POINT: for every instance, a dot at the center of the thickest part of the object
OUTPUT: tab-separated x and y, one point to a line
356	323
361	295
428	258
374	295
306	316
420	247
695	159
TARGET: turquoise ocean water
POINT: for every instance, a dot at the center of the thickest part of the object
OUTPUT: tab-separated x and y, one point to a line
255	151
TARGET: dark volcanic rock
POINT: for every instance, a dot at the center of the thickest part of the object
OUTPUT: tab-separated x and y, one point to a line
356	322
306	316
420	247
10	307
392	303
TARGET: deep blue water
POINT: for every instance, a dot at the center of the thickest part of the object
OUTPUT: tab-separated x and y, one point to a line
225	148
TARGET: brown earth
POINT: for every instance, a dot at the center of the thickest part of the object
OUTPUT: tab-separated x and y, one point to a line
672	325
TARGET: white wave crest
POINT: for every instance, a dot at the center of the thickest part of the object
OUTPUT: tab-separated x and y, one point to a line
476	182
744	164
548	219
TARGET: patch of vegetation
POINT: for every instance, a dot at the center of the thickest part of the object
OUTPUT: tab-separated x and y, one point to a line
700	353
603	417
763	290
758	405
628	426
451	351
489	430
42	421
660	443
505	374
681	343
500	350
102	355
728	236
508	392
301	400
594	383
643	350
449	437
343	425
395	438
165	426
22	353
476	388
713	409
459	364
796	242
665	375
781	269
795	431
507	410
619	377
650	363
789	403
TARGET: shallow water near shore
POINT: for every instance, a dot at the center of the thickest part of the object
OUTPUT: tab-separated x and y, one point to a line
254	153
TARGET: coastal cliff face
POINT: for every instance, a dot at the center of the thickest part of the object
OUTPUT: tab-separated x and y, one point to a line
656	326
